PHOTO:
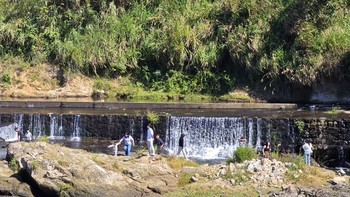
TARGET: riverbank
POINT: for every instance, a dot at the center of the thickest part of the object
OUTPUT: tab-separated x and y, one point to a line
54	170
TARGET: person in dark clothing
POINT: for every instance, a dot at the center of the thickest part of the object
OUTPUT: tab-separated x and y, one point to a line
160	145
181	146
19	134
267	150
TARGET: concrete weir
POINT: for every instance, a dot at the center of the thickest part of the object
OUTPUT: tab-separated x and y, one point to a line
134	105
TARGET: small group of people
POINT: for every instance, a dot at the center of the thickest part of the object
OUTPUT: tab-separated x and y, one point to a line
28	136
129	141
307	147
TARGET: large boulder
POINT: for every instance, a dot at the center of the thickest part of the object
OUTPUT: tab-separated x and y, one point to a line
58	171
9	183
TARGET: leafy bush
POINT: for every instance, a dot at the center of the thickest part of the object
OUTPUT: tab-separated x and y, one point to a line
244	153
140	151
6	78
183	46
300	125
152	117
13	164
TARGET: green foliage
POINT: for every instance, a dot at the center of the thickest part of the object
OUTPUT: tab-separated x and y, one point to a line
274	155
184	179
179	163
140	151
334	110
152	117
13	164
6	78
42	139
182	47
240	176
300	125
244	153
36	164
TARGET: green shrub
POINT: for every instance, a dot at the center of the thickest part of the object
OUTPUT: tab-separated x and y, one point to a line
244	153
300	125
13	164
152	117
140	151
6	78
334	110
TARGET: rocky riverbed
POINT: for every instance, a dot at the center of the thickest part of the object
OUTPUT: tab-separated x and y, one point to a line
42	169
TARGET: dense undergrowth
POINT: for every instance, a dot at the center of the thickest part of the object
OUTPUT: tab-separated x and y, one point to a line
183	46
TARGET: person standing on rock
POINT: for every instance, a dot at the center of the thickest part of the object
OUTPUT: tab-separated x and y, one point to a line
150	137
29	136
160	144
307	152
267	150
181	146
19	134
128	141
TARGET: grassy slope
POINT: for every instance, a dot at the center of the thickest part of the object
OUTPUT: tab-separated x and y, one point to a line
178	47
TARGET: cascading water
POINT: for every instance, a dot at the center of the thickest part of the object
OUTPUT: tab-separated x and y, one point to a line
52	126
141	132
258	135
18	118
36	125
76	128
250	131
209	137
8	133
56	127
132	126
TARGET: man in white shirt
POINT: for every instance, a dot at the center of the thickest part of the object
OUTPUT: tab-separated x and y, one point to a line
307	152
150	136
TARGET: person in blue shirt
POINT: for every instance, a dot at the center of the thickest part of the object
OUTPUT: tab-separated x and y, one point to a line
128	142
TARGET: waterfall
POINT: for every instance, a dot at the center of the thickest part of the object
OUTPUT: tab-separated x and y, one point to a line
209	137
19	121
36	125
132	126
250	132
53	126
341	156
258	135
76	128
141	132
8	132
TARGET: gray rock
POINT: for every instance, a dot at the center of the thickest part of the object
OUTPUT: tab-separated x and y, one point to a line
71	172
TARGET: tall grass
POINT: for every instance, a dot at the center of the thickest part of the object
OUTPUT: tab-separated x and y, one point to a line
182	46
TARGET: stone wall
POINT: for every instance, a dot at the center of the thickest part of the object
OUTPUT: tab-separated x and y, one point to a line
331	138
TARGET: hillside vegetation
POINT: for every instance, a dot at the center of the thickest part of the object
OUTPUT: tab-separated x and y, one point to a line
181	46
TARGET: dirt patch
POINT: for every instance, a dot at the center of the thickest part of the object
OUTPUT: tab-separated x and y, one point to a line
41	81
